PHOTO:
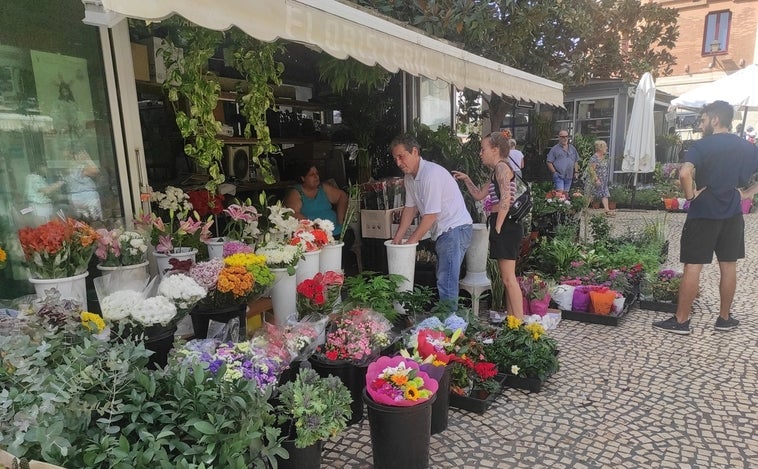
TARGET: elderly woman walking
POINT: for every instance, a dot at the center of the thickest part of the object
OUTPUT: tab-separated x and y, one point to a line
597	176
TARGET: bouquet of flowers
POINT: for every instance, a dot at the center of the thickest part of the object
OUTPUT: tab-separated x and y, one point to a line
281	256
398	381
234	361
243	222
175	297
469	368
59	248
281	223
356	335
534	287
232	280
298	339
327	227
172	226
118	247
309	236
664	286
319	294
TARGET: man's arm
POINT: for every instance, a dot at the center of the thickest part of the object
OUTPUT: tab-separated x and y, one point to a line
686	180
426	223
405	221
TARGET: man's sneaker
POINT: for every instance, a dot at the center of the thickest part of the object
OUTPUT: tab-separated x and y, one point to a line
726	324
673	326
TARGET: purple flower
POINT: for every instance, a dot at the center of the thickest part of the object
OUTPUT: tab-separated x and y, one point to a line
236	247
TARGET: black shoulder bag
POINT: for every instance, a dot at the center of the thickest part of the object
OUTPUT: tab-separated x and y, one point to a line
522	206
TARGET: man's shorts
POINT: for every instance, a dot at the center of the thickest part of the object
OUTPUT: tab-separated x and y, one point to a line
701	237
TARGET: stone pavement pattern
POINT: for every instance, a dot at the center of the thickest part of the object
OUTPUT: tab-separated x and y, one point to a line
626	396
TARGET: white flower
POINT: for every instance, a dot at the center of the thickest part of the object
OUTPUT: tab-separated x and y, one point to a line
155	310
327	226
173	199
119	305
282	219
280	255
515	369
182	290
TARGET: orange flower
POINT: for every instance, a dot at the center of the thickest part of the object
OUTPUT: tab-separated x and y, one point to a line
399	380
235	279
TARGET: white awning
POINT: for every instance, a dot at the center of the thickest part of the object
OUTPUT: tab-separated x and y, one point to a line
342	30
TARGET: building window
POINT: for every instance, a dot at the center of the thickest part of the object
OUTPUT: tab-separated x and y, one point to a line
716	35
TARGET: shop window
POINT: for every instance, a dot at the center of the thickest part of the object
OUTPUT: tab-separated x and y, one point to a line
56	140
716	35
436	103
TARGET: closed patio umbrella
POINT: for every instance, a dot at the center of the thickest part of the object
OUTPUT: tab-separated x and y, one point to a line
639	144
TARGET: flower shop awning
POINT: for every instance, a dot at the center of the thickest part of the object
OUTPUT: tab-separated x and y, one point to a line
344	31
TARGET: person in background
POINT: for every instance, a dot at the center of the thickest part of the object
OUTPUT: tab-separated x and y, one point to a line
750	135
312	199
563	162
719	164
82	189
515	158
505	234
431	191
597	176
39	194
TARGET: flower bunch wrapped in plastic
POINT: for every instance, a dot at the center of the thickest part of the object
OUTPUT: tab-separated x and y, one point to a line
309	236
58	248
298	339
243	222
437	344
236	247
318	295
176	295
534	287
398	381
281	256
117	247
234	361
357	335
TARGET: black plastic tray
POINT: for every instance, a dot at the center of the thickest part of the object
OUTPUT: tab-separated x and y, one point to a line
658	306
612	319
473	404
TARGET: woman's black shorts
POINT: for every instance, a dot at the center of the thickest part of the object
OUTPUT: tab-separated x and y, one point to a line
507	244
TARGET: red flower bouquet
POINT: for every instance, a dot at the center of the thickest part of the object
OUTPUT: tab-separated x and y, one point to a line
398	381
356	335
437	344
309	236
319	294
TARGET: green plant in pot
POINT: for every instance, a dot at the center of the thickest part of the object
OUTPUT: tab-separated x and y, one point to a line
523	350
313	408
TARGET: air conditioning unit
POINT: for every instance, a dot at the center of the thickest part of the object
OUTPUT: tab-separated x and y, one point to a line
236	163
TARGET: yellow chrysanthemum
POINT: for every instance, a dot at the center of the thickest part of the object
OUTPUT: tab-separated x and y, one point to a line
92	321
411	393
513	322
3	255
535	329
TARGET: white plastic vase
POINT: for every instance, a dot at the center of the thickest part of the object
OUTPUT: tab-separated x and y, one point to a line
182	254
563	295
70	288
618	304
133	276
308	267
330	258
401	259
216	247
283	296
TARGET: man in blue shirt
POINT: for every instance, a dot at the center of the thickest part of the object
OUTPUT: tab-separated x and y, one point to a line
724	163
563	162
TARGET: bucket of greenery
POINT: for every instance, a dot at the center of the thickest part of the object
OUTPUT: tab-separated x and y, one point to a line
311	410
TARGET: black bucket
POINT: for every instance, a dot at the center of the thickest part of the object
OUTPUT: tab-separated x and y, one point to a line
201	318
300	458
441	405
352	376
400	435
160	340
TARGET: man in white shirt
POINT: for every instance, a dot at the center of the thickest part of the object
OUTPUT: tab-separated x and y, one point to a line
515	158
432	192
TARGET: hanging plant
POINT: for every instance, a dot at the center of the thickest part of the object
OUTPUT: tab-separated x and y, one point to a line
188	79
255	61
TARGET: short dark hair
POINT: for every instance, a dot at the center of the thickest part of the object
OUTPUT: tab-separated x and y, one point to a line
302	168
406	140
721	109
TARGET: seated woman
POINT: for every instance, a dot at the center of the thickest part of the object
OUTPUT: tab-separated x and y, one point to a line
313	199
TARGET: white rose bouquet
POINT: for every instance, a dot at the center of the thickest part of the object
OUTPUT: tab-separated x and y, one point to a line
280	255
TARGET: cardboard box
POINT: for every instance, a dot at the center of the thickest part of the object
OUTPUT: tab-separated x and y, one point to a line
378	223
141	62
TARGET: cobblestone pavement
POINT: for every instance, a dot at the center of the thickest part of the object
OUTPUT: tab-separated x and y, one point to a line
626	396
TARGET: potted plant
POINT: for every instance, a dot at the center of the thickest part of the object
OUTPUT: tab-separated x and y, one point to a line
524	352
311	409
536	293
660	291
